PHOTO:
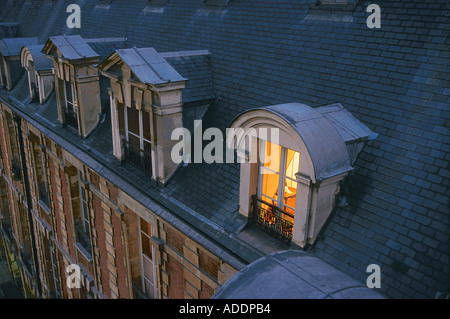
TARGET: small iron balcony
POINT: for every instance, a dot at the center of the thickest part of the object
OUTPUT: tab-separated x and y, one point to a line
138	158
272	219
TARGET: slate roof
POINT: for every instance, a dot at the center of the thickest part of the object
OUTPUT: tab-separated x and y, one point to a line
394	79
75	47
196	67
312	279
40	60
8	29
104	47
72	47
12	46
148	66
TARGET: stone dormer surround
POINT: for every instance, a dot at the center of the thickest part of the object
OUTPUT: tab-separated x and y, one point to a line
142	78
40	72
328	138
10	67
75	62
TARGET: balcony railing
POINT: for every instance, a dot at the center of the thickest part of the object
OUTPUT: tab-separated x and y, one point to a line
272	219
71	119
138	158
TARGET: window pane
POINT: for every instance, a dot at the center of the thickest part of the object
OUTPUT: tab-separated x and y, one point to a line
292	163
68	92
147	148
146	125
134	142
146	247
133	120
145	228
270	182
147	266
272	155
290	195
85	210
149	290
268	200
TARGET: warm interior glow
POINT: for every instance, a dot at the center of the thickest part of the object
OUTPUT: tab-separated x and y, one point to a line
290	184
273	171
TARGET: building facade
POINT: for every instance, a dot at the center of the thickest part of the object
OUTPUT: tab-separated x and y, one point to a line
356	174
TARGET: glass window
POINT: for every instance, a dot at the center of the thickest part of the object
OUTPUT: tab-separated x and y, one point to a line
137	138
278	185
148	267
133	120
69	96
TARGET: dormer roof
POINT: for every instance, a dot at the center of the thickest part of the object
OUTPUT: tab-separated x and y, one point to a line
12	46
146	64
40	60
71	47
75	48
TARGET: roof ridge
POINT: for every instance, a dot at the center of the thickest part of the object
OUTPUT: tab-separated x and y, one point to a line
99	40
149	64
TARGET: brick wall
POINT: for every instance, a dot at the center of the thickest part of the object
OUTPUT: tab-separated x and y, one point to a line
101	244
177	283
120	257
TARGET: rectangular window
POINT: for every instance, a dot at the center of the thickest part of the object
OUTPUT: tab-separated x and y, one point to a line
148	268
70	109
277	182
69	96
84	211
57	284
82	222
42	178
137	138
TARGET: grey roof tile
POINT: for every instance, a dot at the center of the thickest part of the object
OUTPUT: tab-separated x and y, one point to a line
395	80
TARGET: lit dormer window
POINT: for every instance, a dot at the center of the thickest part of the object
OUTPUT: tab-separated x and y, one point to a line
277	181
290	189
276	197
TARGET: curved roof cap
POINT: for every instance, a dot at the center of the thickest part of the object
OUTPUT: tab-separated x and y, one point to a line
40	60
12	46
293	274
325	145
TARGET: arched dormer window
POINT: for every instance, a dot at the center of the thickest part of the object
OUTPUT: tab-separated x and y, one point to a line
40	72
10	67
290	177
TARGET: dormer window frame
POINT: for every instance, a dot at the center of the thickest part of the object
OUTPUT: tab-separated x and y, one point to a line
34	85
70	107
74	60
143	160
40	72
321	137
10	53
282	176
142	78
